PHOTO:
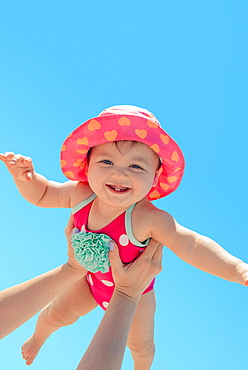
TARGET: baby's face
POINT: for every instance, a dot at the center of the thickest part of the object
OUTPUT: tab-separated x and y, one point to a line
122	173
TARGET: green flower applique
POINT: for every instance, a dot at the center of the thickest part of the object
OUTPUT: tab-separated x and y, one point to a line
91	251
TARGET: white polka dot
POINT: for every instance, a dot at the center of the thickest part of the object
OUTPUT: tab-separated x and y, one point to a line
105	304
108	283
83	228
123	240
90	280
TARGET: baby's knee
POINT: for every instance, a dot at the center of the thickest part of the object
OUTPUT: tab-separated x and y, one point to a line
59	317
142	349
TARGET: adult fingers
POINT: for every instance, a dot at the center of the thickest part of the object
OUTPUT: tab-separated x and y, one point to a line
151	258
114	256
157	257
158	253
69	226
151	248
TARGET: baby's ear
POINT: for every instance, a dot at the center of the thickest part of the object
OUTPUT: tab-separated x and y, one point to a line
156	177
155	181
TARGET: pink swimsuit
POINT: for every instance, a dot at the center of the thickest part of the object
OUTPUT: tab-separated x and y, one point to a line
120	230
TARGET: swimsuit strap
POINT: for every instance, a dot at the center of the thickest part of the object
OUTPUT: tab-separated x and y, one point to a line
128	224
82	204
128	220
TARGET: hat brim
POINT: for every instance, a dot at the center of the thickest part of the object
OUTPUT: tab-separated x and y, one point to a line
110	128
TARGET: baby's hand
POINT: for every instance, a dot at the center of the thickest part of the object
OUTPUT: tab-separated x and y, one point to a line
20	167
242	273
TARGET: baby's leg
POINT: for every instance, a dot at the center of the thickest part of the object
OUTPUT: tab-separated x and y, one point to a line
141	336
74	301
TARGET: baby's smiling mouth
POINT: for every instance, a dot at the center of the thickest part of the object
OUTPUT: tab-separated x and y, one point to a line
118	188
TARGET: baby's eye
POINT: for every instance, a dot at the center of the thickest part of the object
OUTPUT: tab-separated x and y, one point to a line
106	161
136	166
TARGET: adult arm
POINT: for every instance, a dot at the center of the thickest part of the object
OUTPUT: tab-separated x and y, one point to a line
20	302
107	347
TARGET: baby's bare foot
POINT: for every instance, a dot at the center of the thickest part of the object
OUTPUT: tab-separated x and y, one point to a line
30	349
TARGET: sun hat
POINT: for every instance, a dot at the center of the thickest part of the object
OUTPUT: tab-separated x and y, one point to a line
124	122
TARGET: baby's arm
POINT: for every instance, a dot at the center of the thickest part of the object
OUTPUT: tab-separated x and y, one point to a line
34	187
198	250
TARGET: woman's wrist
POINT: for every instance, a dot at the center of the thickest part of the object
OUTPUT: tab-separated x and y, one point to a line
75	269
127	296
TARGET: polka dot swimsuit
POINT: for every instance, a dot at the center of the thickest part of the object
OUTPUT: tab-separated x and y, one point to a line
120	230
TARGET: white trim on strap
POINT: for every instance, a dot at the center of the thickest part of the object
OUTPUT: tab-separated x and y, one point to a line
82	204
128	224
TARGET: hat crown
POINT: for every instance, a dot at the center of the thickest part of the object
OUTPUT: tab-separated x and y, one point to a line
129	110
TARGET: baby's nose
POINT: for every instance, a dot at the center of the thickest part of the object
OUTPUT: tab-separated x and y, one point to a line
119	173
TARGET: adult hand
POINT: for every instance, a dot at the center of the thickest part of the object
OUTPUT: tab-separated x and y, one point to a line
107	347
133	279
72	262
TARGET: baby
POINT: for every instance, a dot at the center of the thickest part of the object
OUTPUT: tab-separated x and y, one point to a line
117	163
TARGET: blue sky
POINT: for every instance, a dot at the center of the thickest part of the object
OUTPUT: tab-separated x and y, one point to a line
187	61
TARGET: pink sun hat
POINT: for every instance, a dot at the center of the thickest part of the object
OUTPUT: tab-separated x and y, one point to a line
124	122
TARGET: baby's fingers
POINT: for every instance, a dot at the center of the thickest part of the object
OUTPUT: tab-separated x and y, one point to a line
11	159
19	159
241	275
245	278
6	157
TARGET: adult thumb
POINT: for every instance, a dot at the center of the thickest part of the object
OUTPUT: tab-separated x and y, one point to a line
114	256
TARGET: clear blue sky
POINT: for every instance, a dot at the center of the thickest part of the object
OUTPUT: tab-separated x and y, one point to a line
61	63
